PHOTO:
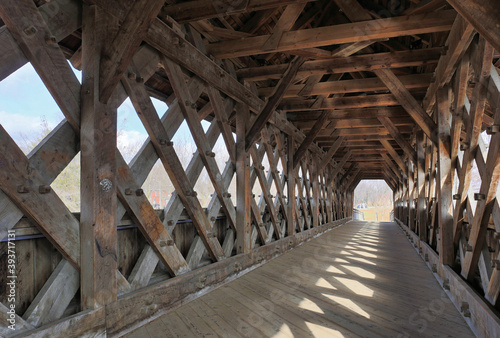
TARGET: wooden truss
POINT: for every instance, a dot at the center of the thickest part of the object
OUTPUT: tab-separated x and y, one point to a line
309	98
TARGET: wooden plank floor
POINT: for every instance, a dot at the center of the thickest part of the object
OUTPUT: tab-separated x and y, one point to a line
360	280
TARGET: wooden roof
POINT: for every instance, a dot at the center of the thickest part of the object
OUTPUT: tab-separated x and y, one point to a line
357	62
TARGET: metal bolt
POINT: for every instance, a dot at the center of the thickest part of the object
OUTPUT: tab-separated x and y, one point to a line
467	247
22	189
139	79
131	76
446	284
479	197
175	41
44	189
434	268
30	30
170	222
139	192
129	191
456	197
493	129
464	146
210	154
226	195
51	41
212	219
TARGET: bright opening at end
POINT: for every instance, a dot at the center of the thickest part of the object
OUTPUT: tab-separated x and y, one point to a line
374	199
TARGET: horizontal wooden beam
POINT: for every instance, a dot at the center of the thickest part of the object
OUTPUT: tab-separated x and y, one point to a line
301	104
346	33
410	82
195	10
338	65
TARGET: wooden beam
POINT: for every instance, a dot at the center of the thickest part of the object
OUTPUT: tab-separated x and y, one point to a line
44	58
301	104
403	143
483	68
444	180
190	114
338	168
399	161
98	220
421	202
178	49
268	110
410	82
338	34
484	209
339	65
118	50
290	150
171	162
318	125
458	41
483	15
195	10
223	121
284	24
243	188
331	152
408	102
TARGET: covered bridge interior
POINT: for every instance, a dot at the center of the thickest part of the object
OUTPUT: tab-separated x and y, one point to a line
309	97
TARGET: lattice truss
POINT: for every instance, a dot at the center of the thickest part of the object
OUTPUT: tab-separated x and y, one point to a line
434	194
292	198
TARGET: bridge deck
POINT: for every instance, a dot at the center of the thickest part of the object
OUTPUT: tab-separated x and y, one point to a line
362	279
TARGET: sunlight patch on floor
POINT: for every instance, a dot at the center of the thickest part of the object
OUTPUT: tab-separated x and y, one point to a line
340	260
349	304
362	260
306	304
366	254
284	331
319	330
324	284
355	286
359	271
333	269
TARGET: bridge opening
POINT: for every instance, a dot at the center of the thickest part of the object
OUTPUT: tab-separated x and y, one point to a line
374	199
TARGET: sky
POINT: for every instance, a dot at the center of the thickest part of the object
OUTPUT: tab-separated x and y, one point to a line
25	103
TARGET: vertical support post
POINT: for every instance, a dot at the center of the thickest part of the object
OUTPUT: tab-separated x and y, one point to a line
243	225
290	185
405	202
444	179
411	195
98	220
421	203
315	199
329	196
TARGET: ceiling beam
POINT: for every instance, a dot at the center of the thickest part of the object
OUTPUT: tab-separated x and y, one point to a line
484	15
410	82
318	125
338	34
268	110
338	65
195	10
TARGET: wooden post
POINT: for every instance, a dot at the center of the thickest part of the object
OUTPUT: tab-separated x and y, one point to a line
411	195
290	185
315	197
98	220
243	202
421	203
444	181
